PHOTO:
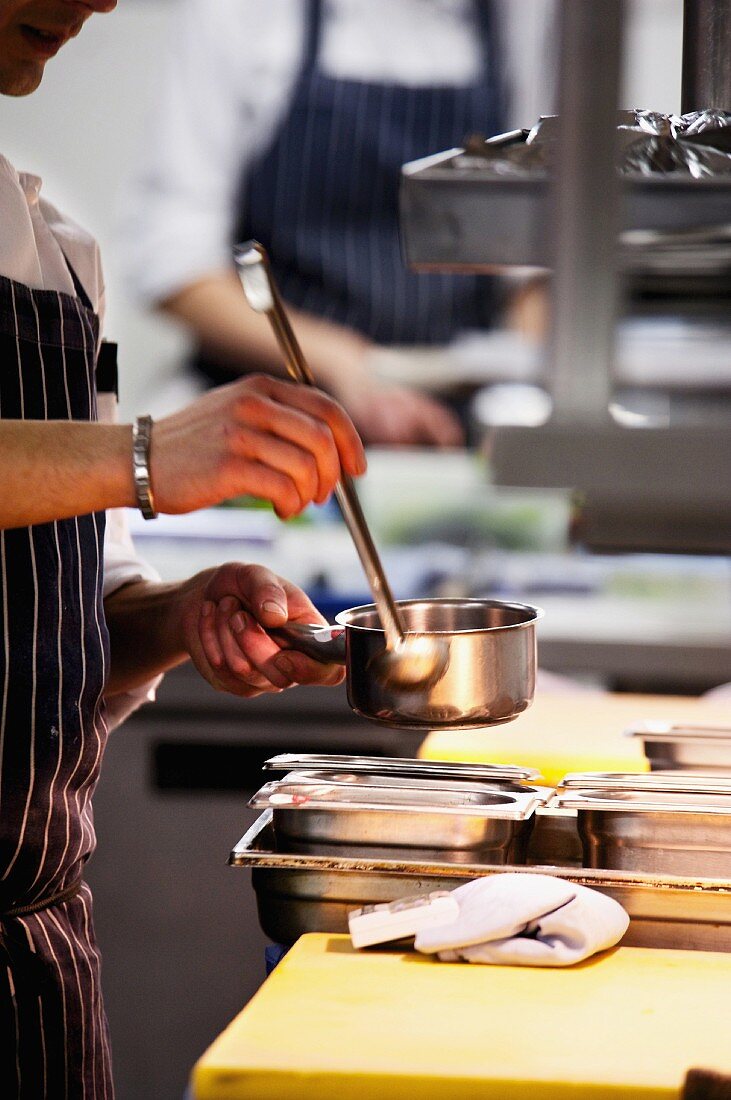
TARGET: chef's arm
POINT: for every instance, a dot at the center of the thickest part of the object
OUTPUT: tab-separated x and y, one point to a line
214	309
56	469
278	441
219	618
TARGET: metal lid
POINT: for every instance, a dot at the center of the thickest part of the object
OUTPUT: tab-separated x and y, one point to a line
649	781
644	801
394	765
673	731
297	792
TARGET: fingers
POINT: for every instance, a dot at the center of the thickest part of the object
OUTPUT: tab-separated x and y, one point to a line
310	420
396	416
286	667
208	661
318	406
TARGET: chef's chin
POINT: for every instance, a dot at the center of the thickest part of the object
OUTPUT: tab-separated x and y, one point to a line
20	77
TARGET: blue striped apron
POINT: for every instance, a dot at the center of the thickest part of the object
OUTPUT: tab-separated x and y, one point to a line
323	198
54	652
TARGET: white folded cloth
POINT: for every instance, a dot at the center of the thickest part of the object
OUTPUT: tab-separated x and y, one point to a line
526	920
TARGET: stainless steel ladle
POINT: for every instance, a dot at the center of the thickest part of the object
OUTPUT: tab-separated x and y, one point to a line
409	659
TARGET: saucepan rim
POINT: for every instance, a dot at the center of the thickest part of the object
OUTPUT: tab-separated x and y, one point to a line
533	615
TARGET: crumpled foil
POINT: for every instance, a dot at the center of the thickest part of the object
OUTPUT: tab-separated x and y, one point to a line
649	143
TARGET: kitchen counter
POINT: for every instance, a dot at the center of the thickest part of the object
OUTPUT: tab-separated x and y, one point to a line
333	1022
563	733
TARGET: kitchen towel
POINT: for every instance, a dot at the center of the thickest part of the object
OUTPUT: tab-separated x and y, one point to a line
526	920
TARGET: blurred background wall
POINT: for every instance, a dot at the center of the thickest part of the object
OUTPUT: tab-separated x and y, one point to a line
86	124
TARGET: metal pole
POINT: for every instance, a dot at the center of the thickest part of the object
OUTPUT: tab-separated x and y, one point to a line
706	60
585	209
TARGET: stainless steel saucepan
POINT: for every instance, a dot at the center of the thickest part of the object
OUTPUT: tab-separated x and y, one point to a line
489	676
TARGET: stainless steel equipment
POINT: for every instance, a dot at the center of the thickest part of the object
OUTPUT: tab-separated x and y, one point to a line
404	662
298	893
329	812
400	766
681	830
491	662
669	747
648	486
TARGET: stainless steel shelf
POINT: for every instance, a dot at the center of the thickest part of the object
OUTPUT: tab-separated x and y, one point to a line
469	219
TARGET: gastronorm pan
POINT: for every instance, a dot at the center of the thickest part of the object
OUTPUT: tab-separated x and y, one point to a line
677	832
298	893
492	819
670	746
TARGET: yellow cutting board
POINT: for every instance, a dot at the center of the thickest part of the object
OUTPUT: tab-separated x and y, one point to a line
570	733
335	1024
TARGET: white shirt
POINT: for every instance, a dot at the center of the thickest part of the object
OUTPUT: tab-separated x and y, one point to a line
34	238
227	85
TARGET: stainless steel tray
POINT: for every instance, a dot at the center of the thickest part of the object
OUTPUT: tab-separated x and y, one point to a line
396	765
470	218
680	832
298	893
671	747
400	813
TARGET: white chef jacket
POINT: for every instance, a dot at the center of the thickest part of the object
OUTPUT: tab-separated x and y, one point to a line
35	238
227	85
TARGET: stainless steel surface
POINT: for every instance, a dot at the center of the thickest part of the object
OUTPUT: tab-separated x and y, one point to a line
706	69
407	662
661	832
584	204
490	673
400	766
661	488
554	840
700	749
298	893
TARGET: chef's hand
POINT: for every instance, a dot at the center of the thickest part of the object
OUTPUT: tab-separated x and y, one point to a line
391	415
225	632
275	440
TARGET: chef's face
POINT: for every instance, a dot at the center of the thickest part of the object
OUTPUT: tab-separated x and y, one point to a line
33	31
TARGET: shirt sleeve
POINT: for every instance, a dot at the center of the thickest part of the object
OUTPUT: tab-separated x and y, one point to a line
225	84
122	566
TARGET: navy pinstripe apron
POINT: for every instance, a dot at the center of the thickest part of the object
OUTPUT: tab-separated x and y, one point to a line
323	198
54	652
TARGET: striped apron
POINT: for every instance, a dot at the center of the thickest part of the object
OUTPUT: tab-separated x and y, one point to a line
323	198
54	652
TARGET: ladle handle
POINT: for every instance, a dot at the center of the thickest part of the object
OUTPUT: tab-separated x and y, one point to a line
345	493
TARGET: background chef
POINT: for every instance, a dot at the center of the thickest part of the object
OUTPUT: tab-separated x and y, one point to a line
289	122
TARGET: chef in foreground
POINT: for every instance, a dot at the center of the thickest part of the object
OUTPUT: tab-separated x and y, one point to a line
86	627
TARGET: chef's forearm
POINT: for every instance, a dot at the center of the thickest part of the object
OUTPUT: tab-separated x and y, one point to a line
56	469
145	622
215	309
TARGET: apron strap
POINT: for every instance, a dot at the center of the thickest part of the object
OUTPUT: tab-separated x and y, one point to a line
66	894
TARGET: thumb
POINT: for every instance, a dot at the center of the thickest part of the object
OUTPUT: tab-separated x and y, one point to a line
265	596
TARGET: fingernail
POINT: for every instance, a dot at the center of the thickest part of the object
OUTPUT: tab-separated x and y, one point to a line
228	603
274	608
206	608
238	623
285	666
